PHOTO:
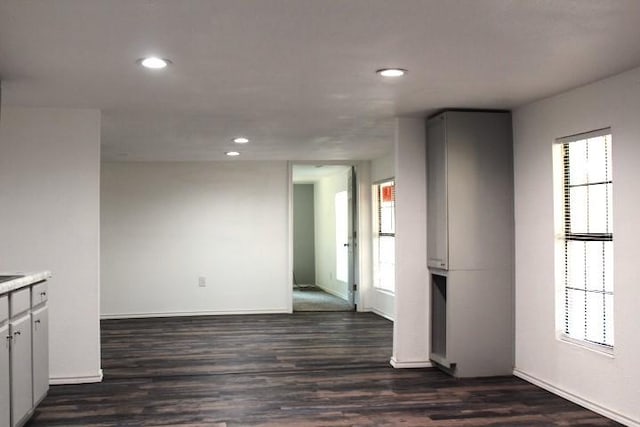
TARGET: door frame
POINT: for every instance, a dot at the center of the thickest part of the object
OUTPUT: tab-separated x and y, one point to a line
362	254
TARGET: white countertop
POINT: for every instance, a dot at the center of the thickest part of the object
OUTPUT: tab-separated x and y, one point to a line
21	282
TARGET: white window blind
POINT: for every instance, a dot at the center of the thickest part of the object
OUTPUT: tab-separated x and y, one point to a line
588	237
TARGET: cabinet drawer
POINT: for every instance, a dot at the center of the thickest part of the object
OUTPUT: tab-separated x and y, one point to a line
19	301
4	308
39	293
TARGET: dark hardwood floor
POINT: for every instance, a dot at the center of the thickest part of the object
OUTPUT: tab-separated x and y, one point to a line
306	369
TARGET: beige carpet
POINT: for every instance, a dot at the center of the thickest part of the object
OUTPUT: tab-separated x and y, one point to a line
312	298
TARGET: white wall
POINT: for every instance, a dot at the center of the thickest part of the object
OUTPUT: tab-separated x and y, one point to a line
382	302
364	272
49	199
304	260
411	325
325	233
166	224
610	385
383	168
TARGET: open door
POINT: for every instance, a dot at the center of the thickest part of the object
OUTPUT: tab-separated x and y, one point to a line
352	215
332	240
347	238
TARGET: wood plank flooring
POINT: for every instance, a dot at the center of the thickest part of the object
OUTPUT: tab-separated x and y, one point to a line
306	369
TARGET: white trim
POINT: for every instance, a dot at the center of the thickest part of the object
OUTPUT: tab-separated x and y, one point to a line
289	283
577	399
414	364
584	135
596	348
357	165
381	314
362	309
190	313
77	380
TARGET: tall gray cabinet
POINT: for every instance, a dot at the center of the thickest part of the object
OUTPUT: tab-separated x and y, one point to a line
470	241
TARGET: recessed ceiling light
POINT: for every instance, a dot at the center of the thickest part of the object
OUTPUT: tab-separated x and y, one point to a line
391	72
232	153
240	140
153	62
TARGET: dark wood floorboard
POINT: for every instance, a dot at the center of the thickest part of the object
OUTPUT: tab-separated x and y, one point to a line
306	369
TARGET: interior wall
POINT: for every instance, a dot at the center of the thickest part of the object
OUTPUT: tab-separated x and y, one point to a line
49	194
304	268
607	384
411	325
382	302
325	233
165	225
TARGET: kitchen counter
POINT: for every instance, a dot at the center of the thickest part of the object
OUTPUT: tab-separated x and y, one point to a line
21	282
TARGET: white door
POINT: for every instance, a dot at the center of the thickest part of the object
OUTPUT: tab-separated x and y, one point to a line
346	238
352	227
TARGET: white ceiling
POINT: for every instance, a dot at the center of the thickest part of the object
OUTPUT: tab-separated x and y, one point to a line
297	76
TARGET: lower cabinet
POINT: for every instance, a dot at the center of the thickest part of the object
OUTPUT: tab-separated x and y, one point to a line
24	353
471	323
40	332
5	391
21	380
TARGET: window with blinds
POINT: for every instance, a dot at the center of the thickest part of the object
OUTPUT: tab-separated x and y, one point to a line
385	232
587	237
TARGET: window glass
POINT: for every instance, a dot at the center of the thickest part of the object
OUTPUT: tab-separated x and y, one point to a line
588	238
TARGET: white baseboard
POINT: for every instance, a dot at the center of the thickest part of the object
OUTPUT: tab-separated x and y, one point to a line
76	380
381	314
189	313
577	399
414	364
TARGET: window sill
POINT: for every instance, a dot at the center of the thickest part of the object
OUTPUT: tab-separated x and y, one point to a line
596	348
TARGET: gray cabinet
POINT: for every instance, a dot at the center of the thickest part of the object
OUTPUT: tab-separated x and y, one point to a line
470	241
24	352
437	226
5	391
21	377
40	334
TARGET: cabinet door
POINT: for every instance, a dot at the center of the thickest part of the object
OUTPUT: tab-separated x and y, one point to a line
5	409
40	330
437	221
21	394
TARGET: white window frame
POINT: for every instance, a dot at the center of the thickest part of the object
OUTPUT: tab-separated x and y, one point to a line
562	237
376	236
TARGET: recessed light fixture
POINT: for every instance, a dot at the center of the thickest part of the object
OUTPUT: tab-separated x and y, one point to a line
240	140
391	72
232	153
154	63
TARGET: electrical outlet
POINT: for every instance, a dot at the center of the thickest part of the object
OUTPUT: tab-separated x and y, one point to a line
202	281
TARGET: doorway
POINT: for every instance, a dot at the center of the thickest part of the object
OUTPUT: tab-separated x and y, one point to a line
323	245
